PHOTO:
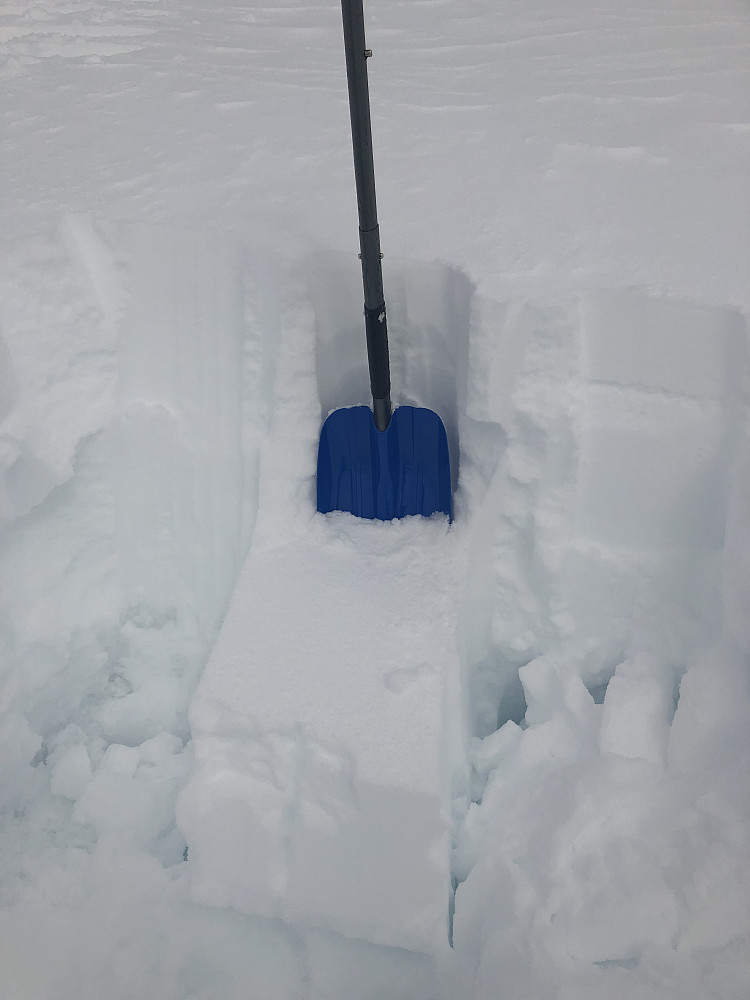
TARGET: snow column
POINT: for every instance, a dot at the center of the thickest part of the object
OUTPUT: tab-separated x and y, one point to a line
179	471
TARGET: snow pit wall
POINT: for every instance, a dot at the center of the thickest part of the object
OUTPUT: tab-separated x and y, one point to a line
600	444
428	307
128	469
607	509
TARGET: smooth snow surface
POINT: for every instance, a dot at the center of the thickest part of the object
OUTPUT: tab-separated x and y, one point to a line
251	751
319	761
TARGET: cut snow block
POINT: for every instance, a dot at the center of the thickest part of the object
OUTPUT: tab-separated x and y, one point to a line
657	418
663	345
654	470
180	452
321	787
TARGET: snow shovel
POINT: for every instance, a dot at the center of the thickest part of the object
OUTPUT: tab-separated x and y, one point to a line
377	463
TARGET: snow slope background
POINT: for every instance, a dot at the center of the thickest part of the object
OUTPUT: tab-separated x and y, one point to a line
565	215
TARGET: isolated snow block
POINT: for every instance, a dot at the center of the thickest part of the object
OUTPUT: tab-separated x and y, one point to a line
663	344
657	416
325	733
654	470
179	461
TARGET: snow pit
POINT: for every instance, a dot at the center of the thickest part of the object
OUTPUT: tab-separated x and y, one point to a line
428	320
323	782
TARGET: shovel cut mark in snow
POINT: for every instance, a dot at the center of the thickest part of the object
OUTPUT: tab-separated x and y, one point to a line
402	470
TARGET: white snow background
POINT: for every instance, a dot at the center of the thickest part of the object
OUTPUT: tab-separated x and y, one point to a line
564	201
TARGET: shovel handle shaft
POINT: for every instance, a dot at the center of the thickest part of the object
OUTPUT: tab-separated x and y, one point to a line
369	234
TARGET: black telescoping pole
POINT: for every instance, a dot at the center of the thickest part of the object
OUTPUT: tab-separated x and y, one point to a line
369	235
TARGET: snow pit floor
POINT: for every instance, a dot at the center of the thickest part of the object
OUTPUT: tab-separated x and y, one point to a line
321	791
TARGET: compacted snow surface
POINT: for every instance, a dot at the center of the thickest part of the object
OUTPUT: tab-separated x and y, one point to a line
248	751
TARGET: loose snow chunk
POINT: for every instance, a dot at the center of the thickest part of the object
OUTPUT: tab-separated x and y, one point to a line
129	799
71	773
320	791
638	710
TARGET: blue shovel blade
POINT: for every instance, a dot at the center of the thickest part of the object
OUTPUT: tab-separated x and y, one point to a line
402	470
